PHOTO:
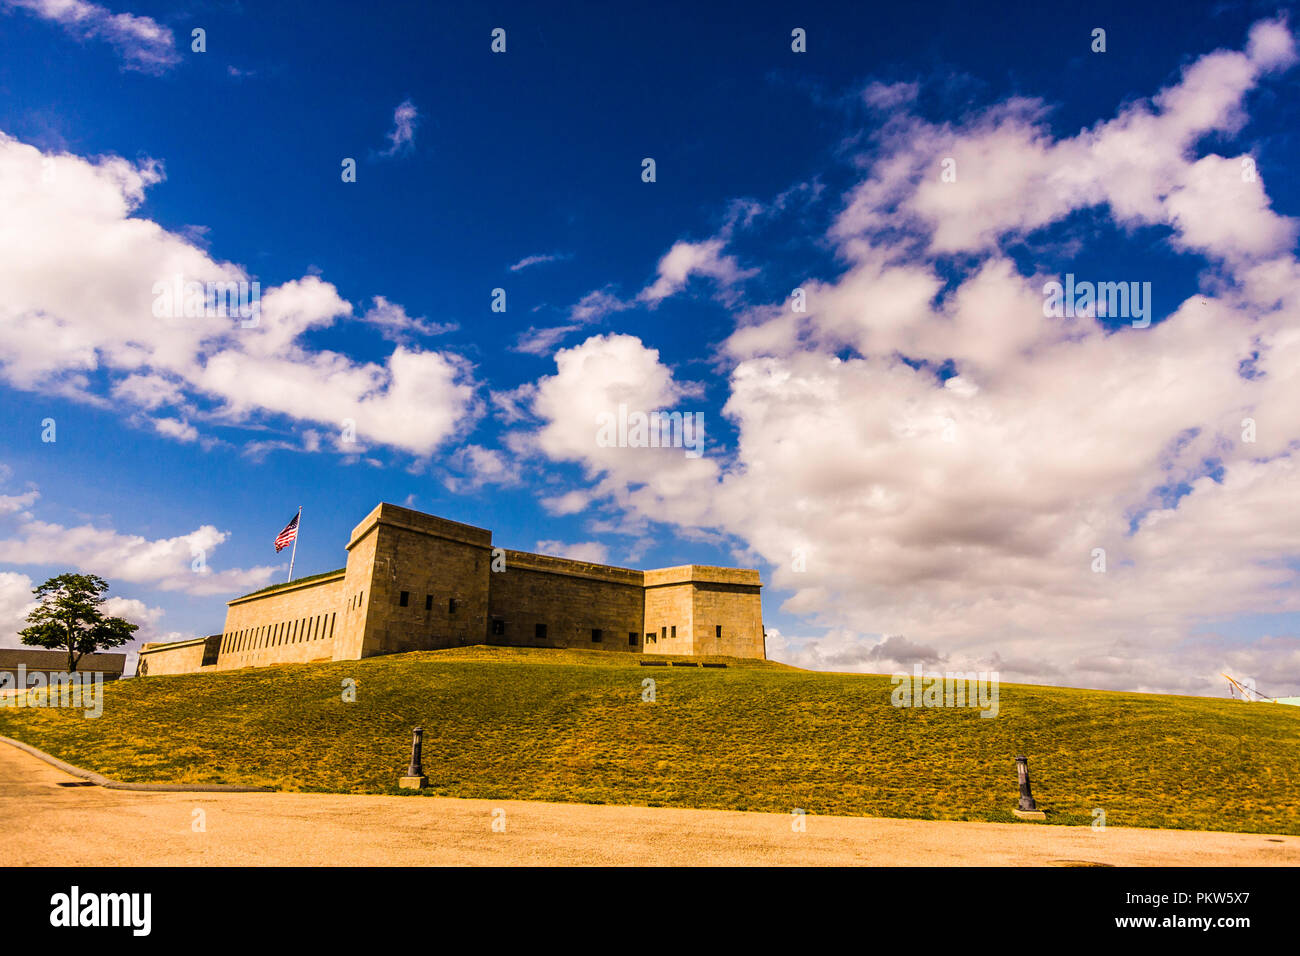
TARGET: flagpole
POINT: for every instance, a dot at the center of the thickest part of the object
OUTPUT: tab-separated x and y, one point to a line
294	553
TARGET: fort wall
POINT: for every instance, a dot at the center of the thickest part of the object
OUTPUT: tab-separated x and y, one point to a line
698	609
296	623
418	582
428	583
180	657
728	620
543	601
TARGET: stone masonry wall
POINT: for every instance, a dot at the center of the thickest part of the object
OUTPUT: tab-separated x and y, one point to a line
429	585
181	657
294	624
694	601
738	611
668	613
417	582
574	601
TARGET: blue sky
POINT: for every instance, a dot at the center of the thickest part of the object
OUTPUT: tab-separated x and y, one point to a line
774	169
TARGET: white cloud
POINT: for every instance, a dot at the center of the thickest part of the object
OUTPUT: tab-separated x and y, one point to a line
1219	208
175	428
148	392
529	261
594	379
568	503
596	376
1012	177
480	466
59	333
144	44
960	517
11	503
396	326
16	602
511	405
597	304
402	136
542	341
181	563
593	552
687	259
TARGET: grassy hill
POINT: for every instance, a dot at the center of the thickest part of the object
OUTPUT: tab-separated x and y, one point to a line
570	726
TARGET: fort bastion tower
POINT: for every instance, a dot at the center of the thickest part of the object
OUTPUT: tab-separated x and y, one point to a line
417	582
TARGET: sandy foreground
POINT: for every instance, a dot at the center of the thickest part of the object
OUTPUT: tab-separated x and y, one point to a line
50	818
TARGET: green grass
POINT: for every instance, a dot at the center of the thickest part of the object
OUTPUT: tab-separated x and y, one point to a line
570	726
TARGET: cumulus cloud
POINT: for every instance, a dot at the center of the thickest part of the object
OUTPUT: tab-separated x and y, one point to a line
934	469
1012	176
75	215
144	44
16	602
11	503
597	381
687	259
170	564
181	563
175	428
148	391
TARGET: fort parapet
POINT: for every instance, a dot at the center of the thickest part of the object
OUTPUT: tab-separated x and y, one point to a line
414	581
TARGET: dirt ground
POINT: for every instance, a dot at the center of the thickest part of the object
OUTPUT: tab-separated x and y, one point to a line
50	818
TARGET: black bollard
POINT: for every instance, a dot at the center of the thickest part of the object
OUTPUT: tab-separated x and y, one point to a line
1027	808
1022	773
415	778
415	770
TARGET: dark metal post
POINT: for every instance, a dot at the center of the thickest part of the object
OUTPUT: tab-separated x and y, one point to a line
415	770
1022	773
415	778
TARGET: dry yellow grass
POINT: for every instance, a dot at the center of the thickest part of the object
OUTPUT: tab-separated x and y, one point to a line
571	726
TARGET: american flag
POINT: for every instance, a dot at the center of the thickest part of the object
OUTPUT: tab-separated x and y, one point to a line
289	535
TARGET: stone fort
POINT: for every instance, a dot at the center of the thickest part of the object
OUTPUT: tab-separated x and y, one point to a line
416	582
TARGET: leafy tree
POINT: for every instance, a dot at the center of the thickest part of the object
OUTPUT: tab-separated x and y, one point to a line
69	617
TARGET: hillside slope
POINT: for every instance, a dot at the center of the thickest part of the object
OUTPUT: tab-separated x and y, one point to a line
572	727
